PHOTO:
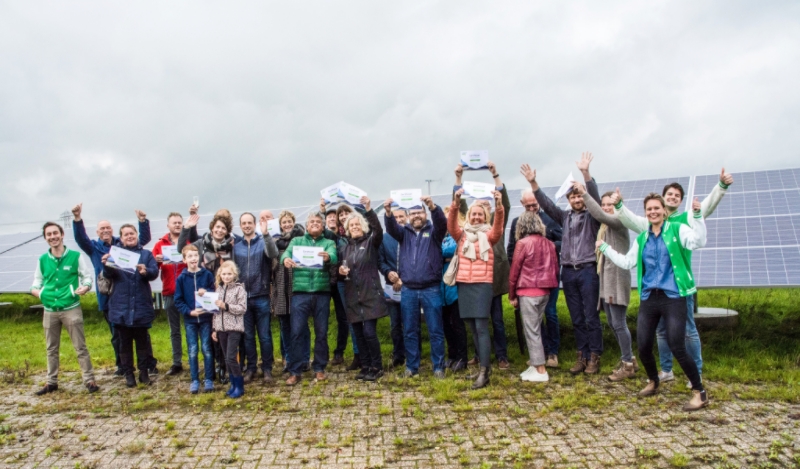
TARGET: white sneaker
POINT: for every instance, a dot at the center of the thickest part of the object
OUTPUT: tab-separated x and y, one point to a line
527	373
537	377
664	376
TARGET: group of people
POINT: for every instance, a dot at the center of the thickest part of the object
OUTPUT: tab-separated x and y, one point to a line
449	263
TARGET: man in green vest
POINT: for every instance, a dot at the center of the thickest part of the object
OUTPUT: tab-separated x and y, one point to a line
61	278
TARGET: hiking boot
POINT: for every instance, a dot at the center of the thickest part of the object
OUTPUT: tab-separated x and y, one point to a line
362	374
130	380
293	380
482	380
373	375
579	366
552	361
650	390
248	375
320	376
48	388
268	379
92	387
144	377
635	365
338	359
664	376
174	370
473	361
593	366
624	371
698	401
356	365
503	364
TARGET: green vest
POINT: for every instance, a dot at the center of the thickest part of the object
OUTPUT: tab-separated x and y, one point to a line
59	281
680	257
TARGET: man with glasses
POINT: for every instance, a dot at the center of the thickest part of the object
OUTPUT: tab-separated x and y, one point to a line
551	335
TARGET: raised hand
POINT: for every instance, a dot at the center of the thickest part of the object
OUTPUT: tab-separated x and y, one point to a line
725	178
498	198
492	167
459	170
585	161
616	197
322	205
263	224
696	206
365	202
193	209
76	211
426	199
192	221
528	173
140	215
387	207
457	196
578	188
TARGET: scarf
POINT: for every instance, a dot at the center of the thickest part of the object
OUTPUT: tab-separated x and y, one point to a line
476	233
601	236
215	252
283	242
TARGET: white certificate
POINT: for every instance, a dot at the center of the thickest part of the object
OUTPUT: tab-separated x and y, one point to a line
274	227
122	259
478	190
331	193
407	198
388	289
475	159
171	255
351	193
207	302
307	256
565	187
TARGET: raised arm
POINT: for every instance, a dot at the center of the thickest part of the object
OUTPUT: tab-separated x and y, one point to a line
452	220
496	233
629	219
144	228
715	197
183	239
438	219
392	227
694	236
623	261
375	227
598	214
549	207
79	230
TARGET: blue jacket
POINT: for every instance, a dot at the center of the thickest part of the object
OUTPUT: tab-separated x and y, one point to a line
387	256
96	249
185	287
420	263
254	260
449	294
131	301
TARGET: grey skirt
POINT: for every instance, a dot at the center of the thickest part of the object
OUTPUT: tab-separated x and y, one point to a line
474	300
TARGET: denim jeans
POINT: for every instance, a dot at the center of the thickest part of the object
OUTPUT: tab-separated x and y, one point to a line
499	341
340	287
174	319
581	290
396	325
672	311
551	333
693	347
201	332
304	306
430	300
256	320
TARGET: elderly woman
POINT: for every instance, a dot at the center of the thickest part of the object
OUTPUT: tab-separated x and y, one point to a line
130	306
363	294
533	275
473	269
281	299
615	283
662	255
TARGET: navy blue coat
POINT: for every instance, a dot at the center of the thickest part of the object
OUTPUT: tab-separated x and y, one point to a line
420	263
185	287
387	256
131	302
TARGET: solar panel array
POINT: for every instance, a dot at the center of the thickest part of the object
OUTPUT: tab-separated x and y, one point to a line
753	236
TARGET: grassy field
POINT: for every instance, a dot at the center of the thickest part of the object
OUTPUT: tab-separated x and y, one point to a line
758	359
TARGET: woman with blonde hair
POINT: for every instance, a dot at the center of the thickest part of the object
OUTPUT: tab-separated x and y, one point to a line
228	324
281	297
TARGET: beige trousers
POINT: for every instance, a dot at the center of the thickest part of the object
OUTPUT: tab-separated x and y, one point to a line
72	320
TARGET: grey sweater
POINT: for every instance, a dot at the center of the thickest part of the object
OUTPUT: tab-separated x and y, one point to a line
615	283
579	228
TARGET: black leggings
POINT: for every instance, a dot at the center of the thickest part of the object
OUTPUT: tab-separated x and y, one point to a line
229	345
673	311
369	347
144	349
455	332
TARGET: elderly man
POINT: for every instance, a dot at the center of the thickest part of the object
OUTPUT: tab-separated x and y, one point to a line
98	248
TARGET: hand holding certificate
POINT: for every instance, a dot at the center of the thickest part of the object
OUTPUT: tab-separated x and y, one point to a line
407	198
565	188
171	255
274	227
123	259
331	193
351	193
388	290
478	190
475	159
307	256
207	302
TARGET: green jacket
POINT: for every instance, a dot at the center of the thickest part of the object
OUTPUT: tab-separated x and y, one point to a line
681	239
308	280
58	278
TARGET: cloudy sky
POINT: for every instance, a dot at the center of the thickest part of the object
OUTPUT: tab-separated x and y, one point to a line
124	105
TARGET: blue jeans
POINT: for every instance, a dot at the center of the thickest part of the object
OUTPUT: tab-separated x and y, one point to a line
396	326
340	287
692	340
256	320
305	306
581	290
430	300
201	332
499	341
551	334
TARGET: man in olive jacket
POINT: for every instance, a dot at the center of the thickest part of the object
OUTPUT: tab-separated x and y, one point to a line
311	297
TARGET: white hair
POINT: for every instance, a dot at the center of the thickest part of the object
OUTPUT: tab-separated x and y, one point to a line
526	191
361	221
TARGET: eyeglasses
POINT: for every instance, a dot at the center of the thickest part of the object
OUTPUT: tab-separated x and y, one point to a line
531	207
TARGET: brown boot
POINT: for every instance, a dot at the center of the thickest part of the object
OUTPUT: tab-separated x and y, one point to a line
698	401
650	390
635	365
624	371
552	361
594	365
293	380
580	365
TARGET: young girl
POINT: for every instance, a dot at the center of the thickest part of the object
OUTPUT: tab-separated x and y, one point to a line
229	322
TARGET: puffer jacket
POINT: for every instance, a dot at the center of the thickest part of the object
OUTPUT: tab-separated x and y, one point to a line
231	318
131	302
535	265
308	280
363	292
477	271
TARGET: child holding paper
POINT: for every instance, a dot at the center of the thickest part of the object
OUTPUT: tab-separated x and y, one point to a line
196	321
229	322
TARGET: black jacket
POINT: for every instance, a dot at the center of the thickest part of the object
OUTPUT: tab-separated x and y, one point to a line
363	293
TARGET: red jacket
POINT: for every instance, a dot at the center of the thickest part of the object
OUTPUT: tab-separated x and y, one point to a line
169	272
535	265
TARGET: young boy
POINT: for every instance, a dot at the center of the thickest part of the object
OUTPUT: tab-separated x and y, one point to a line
196	321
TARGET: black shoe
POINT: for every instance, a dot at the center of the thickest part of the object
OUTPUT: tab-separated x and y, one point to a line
268	379
362	374
338	359
174	370
48	388
398	362
458	365
356	363
119	373
285	369
223	377
130	380
248	376
374	375
305	368
144	377
152	371
92	387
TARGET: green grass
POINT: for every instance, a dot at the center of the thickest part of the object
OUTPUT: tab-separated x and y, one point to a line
759	358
